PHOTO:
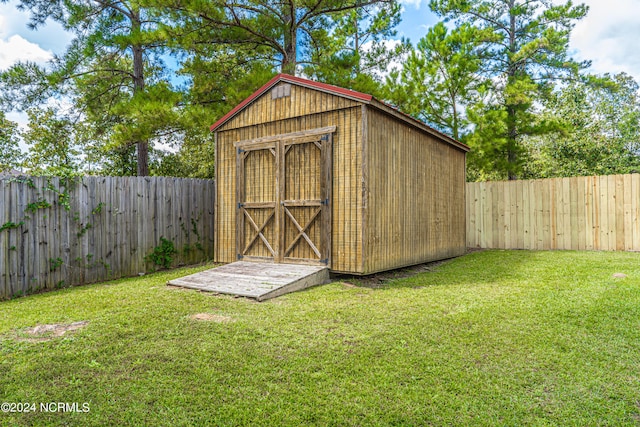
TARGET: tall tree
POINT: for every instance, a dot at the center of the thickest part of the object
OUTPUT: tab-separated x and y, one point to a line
287	32
601	132
113	65
10	153
527	52
359	53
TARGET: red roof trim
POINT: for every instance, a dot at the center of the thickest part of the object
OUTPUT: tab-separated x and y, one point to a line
292	79
328	88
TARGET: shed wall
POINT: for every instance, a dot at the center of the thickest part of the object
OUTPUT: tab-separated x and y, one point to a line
415	206
260	119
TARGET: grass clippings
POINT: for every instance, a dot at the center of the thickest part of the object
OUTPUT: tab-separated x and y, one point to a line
494	338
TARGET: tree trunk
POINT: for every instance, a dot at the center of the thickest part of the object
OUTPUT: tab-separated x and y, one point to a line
289	58
512	153
512	130
142	147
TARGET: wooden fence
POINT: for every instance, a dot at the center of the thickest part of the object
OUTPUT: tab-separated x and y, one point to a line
55	232
582	213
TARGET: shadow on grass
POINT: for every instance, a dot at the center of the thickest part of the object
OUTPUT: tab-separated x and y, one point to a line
476	267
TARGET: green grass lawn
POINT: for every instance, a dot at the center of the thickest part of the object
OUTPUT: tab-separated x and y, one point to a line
492	338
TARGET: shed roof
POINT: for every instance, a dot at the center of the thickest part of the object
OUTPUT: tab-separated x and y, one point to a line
338	91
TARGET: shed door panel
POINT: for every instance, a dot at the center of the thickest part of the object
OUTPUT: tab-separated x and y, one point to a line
257	213
305	203
284	193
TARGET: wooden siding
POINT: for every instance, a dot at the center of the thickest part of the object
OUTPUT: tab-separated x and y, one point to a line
578	213
105	231
306	109
302	102
414	193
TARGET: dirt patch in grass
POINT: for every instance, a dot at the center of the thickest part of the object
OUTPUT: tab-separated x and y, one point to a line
210	317
380	280
42	333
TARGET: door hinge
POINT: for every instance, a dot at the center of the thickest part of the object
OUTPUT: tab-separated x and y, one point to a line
325	261
325	202
240	205
240	256
324	137
240	151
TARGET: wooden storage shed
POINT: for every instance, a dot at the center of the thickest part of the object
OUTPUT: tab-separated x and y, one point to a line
312	173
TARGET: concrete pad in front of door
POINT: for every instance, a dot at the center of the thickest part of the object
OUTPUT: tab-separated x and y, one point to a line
255	279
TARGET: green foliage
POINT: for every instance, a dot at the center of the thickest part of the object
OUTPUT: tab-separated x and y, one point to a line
39	204
357	53
194	228
9	225
62	192
186	249
289	34
112	72
162	254
83	229
10	153
52	143
440	78
524	52
55	263
98	209
22	180
601	130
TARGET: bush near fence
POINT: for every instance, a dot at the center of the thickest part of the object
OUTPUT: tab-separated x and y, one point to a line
580	213
57	232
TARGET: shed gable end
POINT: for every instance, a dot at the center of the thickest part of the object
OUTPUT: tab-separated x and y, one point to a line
286	100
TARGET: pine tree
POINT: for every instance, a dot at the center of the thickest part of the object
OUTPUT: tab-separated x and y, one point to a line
112	68
440	78
526	53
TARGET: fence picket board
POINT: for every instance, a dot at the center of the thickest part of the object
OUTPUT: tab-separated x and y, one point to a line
579	213
619	213
611	211
97	244
635	202
556	212
588	215
516	211
628	218
4	247
471	216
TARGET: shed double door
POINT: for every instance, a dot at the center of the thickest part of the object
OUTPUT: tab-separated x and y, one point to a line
283	190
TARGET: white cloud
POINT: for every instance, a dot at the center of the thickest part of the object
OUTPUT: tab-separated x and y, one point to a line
609	36
49	36
414	3
17	49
